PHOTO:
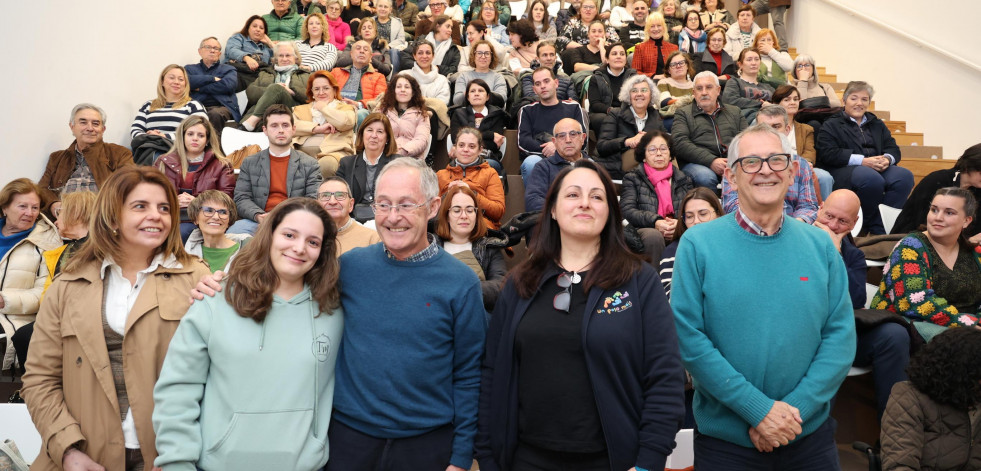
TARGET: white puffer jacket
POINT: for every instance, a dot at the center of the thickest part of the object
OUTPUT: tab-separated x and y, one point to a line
22	275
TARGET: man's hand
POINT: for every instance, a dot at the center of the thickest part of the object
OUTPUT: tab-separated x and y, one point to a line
878	163
548	149
208	286
154	132
719	166
835	238
260	217
781	424
77	460
498	139
761	445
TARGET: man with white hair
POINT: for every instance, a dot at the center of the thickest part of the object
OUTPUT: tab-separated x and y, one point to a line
702	132
765	384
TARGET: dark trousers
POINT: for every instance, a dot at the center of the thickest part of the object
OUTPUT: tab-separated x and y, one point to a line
351	450
815	452
21	339
886	349
218	115
890	187
531	458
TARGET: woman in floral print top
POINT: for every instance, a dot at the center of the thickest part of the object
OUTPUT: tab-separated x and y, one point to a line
575	33
935	276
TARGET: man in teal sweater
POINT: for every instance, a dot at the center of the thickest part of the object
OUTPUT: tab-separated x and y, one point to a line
764	321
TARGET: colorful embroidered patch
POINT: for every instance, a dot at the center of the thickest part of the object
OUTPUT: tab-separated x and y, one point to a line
912	242
917	297
967	320
914	283
902	305
908	254
940	319
895	272
926	309
899	289
911	269
615	303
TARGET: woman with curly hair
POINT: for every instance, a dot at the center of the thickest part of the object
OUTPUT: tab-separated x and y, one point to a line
933	278
524	42
931	421
484	61
405	107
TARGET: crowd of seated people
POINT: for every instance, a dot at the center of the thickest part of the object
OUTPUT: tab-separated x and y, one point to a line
334	100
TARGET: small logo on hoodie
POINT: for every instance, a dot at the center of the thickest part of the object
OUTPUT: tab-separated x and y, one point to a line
616	303
321	347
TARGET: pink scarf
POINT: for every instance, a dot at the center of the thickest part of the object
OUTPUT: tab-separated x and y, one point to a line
662	188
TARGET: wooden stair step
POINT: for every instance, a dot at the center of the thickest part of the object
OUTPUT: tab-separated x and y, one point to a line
922	167
923	153
827	78
838	86
908	138
895	126
512	159
882	114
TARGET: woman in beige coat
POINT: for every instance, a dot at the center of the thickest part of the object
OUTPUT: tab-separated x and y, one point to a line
121	296
24	235
325	125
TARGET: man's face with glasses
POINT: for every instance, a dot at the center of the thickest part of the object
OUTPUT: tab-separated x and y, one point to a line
568	137
336	200
762	173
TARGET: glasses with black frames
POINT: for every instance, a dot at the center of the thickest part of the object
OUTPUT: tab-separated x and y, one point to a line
754	163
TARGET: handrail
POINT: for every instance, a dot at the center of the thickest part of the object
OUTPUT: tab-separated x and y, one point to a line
909	37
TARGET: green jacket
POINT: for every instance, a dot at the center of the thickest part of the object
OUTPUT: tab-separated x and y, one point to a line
286	28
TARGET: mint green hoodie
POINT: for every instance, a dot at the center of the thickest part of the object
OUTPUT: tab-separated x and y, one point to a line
237	394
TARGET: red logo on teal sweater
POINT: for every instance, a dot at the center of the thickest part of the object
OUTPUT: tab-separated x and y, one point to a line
616	303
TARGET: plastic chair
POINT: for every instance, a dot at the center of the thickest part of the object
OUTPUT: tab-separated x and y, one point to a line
889	216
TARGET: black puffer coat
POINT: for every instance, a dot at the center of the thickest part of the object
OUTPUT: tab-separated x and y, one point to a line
638	201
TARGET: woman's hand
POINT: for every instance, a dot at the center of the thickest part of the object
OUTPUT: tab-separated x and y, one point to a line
878	163
677	29
252	63
287	87
804	74
77	460
458	183
498	139
154	132
666	227
765	49
184	199
632	142
267	41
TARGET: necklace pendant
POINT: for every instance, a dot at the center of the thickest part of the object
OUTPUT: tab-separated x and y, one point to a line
576	278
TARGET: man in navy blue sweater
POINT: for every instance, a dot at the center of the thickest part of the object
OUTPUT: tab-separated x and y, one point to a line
535	121
213	84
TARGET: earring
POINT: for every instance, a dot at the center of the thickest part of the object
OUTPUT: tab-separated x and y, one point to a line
115	233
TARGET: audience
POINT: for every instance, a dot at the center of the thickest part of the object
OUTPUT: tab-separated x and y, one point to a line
380	56
284	292
702	131
274	174
157	120
283	22
496	31
931	420
568	137
617	16
334	196
195	164
325	125
212	212
548	59
813	94
715	17
692	38
801	136
24	234
606	396
675	91
714	58
740	35
635	32
97	413
488	119
476	31
86	163
589	57
390	30
375	149
650	55
775	64
747	91
315	48
746	408
464	234
405	108
286	85
308	7
625	127
966	174
467	168
214	84
576	33
535	140
339	30
407	12
360	84
652	193
483	60
249	51
431	82
858	150
933	277
354	12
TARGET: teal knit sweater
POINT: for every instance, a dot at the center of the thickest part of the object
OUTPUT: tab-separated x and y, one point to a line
761	319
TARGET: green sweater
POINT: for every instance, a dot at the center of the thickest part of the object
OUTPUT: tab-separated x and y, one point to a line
761	319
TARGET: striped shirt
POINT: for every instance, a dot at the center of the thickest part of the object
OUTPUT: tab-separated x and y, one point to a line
319	57
165	119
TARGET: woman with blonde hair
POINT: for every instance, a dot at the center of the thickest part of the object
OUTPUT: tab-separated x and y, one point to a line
325	125
195	164
281	315
315	47
649	55
154	127
121	296
672	13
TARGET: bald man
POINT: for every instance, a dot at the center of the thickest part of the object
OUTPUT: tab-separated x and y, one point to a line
568	138
884	347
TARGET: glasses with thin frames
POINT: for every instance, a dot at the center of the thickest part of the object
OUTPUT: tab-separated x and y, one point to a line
340	196
562	300
571	135
754	163
385	208
658	150
208	211
456	210
702	216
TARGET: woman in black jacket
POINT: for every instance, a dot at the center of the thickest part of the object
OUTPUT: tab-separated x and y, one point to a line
858	150
605	84
652	193
966	174
714	58
624	126
490	123
582	368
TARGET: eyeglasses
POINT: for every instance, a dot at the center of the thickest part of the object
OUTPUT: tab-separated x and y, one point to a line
385	208
658	150
456	210
340	196
754	163
571	134
212	48
704	215
587	7
675	65
482	53
208	211
804	66
487	8
640	90
437	4
562	300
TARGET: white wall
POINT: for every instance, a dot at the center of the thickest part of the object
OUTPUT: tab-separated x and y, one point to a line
934	95
106	52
